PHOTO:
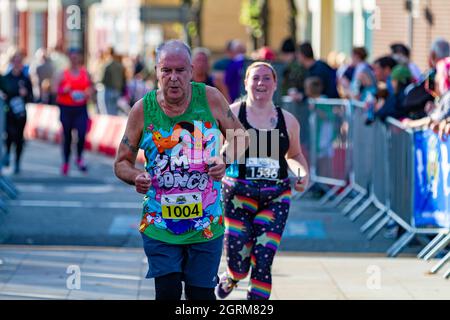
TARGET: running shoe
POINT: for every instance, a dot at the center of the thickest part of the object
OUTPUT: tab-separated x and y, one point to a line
65	169
5	160
225	286
81	165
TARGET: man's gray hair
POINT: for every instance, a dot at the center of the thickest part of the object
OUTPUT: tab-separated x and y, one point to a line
172	45
440	47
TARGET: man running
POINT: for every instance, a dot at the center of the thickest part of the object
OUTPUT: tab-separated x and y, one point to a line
179	126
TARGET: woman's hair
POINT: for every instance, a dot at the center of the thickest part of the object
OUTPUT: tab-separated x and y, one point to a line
16	53
260	64
361	52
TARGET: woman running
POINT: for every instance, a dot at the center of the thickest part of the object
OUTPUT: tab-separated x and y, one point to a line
74	91
257	192
17	89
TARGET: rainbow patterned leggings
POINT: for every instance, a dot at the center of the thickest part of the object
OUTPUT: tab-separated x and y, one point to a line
255	217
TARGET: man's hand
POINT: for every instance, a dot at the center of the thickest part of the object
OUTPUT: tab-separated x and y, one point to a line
216	168
429	107
66	89
143	182
23	92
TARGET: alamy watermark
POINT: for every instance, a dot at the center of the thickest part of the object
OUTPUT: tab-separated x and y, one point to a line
73	21
374	280
374	20
73	281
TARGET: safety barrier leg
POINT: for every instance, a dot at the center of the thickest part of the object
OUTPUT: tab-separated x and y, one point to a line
377	216
447	274
400	244
342	196
431	244
372	234
353	203
355	215
329	194
438	247
8	187
440	264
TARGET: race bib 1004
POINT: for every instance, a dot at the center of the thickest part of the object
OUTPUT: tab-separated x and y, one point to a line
262	168
182	206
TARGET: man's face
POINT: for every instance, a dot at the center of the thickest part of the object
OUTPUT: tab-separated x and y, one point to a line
200	63
16	61
301	58
381	74
174	74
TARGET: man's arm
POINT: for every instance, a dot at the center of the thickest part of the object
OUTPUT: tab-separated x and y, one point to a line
124	165
236	137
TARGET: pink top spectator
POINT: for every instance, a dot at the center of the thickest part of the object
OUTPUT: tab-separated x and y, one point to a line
443	75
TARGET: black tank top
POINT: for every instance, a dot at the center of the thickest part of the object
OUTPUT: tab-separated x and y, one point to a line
264	164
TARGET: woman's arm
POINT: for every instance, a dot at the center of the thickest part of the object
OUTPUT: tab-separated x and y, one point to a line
294	157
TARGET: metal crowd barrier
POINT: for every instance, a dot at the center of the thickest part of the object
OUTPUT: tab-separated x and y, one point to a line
402	207
361	142
378	170
328	145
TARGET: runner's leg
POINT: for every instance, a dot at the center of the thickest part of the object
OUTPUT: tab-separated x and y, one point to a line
268	226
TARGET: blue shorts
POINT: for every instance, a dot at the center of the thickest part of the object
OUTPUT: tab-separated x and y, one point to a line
198	262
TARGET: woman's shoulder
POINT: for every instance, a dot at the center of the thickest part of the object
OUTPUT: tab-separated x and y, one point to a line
235	107
290	120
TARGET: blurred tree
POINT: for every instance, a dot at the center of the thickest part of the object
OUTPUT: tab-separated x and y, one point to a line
255	17
194	25
292	19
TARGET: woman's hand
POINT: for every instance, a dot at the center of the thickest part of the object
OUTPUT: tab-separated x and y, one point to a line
302	183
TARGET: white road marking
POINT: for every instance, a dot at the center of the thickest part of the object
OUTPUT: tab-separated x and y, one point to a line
110	276
75	204
41	188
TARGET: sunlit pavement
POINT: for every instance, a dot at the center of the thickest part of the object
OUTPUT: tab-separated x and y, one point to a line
31	272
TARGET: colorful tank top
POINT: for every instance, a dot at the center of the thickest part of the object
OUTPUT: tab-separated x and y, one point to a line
183	205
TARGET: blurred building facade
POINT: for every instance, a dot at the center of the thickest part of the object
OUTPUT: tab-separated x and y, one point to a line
416	23
31	24
137	26
338	25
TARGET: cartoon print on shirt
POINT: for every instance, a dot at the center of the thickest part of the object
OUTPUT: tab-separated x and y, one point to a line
180	166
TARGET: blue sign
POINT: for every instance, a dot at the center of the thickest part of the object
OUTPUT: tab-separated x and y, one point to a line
432	181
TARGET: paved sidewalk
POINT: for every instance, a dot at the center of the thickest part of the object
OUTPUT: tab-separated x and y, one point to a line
31	272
